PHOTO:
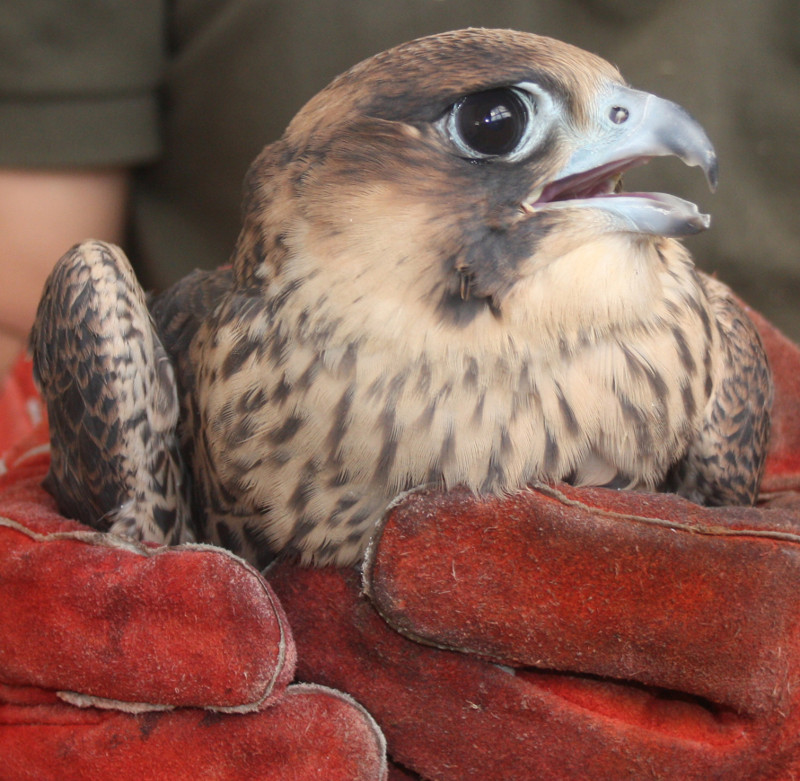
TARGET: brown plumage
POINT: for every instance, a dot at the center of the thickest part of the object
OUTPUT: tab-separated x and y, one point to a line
112	400
439	280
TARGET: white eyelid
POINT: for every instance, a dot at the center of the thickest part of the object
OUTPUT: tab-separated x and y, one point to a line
541	97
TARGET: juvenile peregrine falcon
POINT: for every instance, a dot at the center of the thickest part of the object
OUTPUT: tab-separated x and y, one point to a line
439	279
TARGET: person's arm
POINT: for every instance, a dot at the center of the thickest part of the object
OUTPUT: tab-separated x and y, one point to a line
42	214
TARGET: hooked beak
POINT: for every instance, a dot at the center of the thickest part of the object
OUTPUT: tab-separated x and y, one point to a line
630	128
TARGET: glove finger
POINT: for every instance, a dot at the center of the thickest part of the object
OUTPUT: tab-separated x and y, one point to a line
652	589
90	613
311	733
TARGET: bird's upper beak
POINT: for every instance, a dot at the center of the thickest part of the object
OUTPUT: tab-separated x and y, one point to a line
628	128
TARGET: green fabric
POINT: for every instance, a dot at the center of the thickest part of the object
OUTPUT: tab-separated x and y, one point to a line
227	75
79	80
79	132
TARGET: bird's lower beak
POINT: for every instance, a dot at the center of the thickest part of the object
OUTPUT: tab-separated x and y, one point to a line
629	128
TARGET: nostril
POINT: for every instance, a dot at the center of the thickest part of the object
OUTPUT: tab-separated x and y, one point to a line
618	114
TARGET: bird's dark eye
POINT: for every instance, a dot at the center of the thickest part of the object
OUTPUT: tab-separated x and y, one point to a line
490	123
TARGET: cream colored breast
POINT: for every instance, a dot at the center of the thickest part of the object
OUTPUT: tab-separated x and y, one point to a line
374	391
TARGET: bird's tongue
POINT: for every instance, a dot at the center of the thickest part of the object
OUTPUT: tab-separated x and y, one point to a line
659	214
588	184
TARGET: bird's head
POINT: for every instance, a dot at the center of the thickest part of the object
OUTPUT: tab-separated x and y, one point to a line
459	164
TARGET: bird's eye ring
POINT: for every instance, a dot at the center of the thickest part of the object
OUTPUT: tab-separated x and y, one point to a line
491	123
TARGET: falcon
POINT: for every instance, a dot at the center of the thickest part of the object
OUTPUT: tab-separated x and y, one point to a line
439	280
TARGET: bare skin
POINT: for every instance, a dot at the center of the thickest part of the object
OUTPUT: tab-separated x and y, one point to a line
42	214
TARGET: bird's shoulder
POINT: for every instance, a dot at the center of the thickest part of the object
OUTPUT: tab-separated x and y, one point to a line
180	311
726	461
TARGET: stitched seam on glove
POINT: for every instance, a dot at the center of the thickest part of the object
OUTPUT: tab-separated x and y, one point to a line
699	528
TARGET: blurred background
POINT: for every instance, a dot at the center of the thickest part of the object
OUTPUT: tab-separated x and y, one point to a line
136	121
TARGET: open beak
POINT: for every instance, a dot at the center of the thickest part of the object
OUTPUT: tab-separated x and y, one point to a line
629	128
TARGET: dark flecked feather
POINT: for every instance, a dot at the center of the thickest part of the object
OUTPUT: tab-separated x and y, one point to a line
111	398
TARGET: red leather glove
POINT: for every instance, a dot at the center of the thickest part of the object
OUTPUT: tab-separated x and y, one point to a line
21	408
639	636
453	714
179	657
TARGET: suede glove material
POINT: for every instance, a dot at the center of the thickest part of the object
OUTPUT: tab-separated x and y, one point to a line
556	633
